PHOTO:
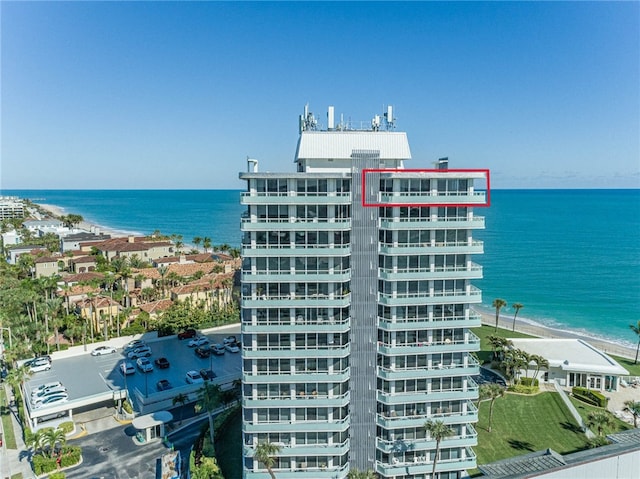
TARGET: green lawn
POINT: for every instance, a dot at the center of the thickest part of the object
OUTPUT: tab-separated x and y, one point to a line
524	424
7	424
628	364
229	448
584	410
485	348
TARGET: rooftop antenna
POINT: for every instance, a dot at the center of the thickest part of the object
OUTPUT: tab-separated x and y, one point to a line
307	120
389	120
375	123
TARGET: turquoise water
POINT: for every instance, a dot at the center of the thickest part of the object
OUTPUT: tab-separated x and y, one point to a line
571	257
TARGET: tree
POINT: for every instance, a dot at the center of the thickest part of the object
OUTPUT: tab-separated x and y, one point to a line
498	303
636	329
517	307
265	453
209	398
634	408
492	392
196	241
540	363
53	437
182	400
18	375
601	420
437	430
206	244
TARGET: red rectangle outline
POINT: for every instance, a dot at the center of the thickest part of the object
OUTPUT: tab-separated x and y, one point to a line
419	170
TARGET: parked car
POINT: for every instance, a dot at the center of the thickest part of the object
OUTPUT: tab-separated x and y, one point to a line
232	347
48	392
45	398
218	349
163	385
144	351
207	374
45	386
39	364
162	363
51	400
144	365
187	334
198	341
100	350
194	377
126	368
203	351
135	344
229	339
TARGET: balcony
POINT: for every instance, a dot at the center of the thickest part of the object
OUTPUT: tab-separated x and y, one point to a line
434	371
424	465
295	301
259	276
294	325
302	377
409	324
297	401
288	426
254	223
301	472
433	197
466	222
295	250
473	271
448	417
458	247
295	197
470	438
468	393
472	343
471	295
298	352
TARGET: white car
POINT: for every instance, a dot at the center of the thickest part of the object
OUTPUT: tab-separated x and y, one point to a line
52	400
229	340
60	390
126	368
144	351
198	341
135	344
46	398
232	347
100	350
144	365
45	386
38	365
194	377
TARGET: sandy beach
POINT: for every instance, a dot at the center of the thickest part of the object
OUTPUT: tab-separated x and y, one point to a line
84	225
526	327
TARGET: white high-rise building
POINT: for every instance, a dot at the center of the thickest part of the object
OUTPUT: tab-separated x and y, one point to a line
356	308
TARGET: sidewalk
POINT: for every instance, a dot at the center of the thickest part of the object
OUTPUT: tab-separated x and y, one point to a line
15	461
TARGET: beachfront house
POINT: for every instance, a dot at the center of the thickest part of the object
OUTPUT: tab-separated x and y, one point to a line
573	362
82	241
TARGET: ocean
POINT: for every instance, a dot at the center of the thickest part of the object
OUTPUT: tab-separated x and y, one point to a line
571	257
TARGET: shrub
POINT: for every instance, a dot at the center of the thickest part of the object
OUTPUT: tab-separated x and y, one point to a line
529	382
57	475
43	464
589	396
67	427
126	405
71	456
521	389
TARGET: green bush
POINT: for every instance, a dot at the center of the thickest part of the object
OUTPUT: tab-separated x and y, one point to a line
529	382
589	396
522	389
126	405
71	456
67	427
44	464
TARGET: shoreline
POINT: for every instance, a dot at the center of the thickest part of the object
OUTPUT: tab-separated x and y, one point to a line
526	326
523	325
58	211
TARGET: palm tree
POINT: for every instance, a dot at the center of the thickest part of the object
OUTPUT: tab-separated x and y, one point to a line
209	398
53	437
18	375
498	303
196	241
182	400
600	420
636	329
206	244
437	430
357	474
517	307
163	271
265	453
540	363
491	391
37	440
634	408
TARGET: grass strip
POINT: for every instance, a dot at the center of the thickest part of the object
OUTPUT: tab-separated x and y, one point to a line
7	424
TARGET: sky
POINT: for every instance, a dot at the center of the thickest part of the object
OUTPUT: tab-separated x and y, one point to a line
166	95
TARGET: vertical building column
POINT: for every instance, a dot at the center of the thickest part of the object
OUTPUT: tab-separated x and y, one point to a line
364	332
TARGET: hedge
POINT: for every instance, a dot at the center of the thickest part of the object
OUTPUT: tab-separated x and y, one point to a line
44	464
529	382
589	396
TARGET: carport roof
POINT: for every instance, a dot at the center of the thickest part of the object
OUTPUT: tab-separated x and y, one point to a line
153	419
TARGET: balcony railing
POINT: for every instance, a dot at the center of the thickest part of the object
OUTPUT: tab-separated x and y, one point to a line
472	291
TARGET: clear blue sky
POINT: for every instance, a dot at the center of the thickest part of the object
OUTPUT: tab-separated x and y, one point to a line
177	95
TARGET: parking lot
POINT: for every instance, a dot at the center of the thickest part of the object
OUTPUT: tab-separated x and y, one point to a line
95	380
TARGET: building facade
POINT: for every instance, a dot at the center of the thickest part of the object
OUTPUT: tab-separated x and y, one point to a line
356	308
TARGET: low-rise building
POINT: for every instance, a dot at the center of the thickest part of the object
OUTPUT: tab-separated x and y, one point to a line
46	266
574	362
